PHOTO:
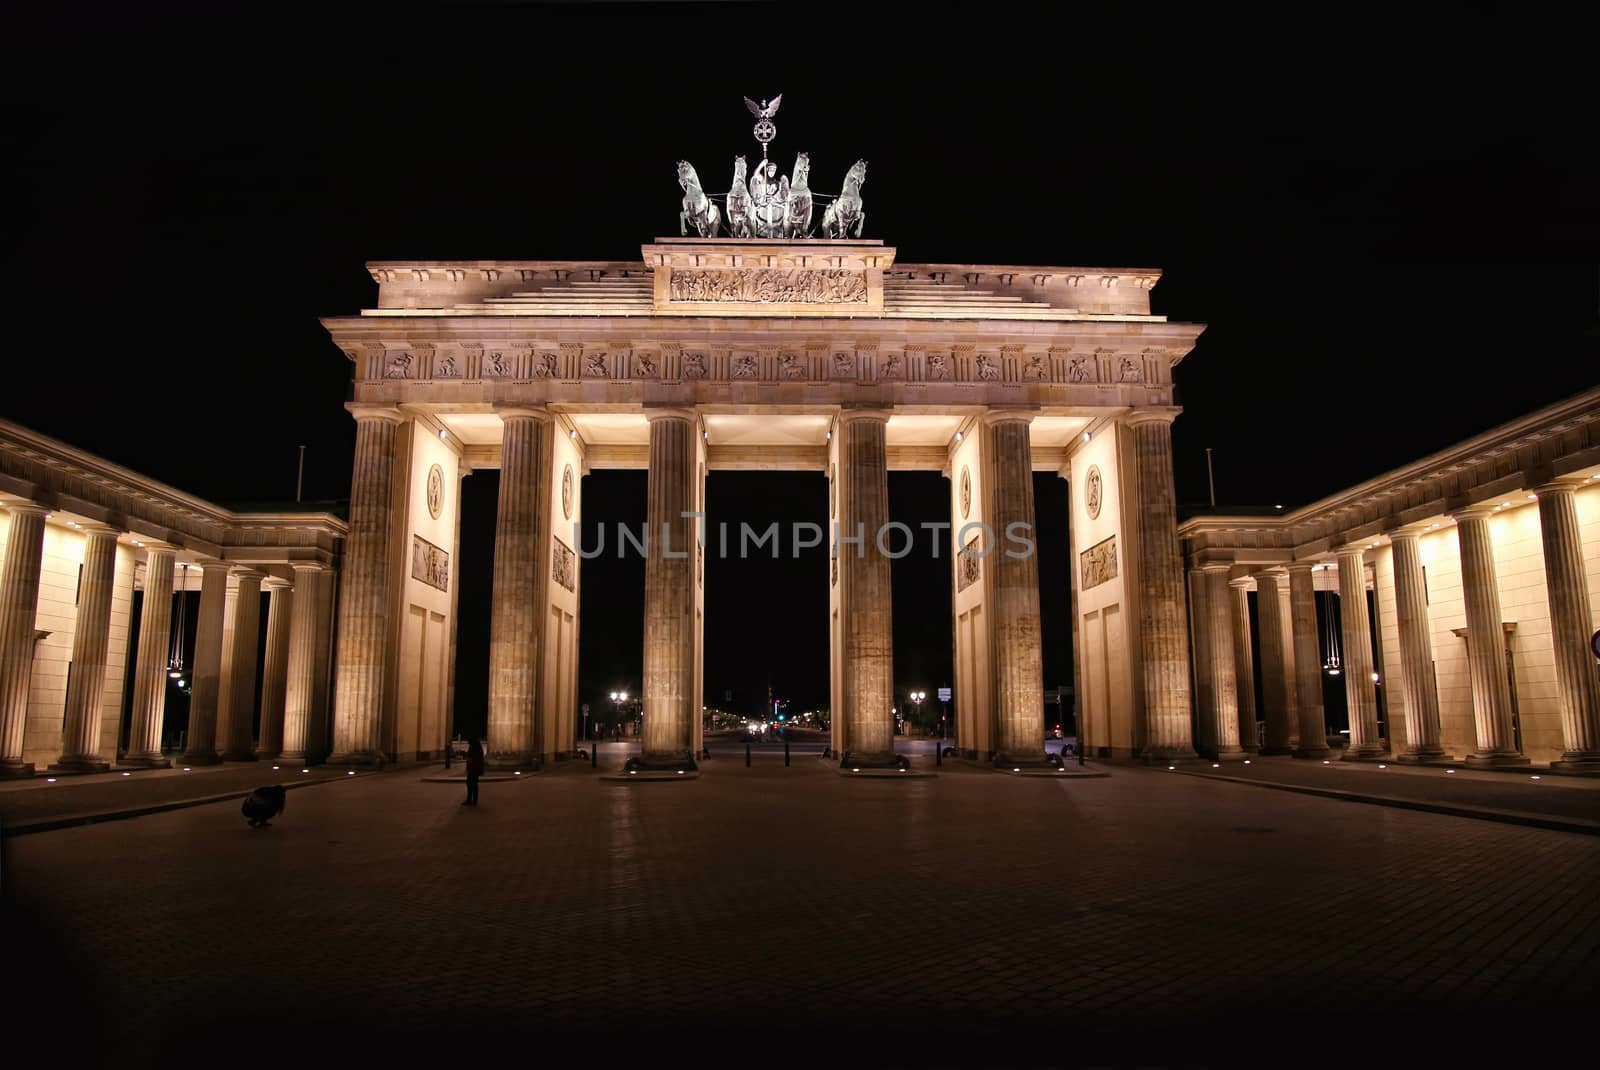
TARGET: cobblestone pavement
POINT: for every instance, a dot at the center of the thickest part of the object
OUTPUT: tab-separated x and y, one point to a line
776	914
23	802
1550	794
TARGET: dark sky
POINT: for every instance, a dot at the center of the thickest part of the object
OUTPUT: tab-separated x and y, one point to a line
1387	220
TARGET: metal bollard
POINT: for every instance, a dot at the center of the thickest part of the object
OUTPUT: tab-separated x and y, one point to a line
786	752
938	753
594	754
747	754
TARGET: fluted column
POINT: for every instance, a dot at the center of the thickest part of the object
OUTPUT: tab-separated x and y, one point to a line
1013	590
1303	634
91	642
364	598
19	609
300	670
1163	638
1244	666
520	524
1486	656
275	667
200	746
669	626
150	670
246	638
1361	698
1417	686
1567	587
1274	674
1224	683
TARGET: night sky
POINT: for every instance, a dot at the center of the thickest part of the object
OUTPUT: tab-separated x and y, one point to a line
1388	222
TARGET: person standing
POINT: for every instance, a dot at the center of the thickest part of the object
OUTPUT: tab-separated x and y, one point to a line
474	771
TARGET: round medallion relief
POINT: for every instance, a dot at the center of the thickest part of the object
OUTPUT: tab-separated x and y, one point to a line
566	493
435	491
1091	491
966	491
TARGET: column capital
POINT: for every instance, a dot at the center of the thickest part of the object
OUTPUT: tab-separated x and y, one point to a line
244	573
211	564
670	412
1569	484
1353	549
95	528
22	508
1481	511
1214	566
1242	583
277	583
1146	416
308	566
364	411
1302	567
869	412
513	411
154	546
1001	416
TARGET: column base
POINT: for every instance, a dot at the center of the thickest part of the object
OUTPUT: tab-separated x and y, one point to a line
15	770
1577	763
79	765
267	755
203	758
143	761
1230	756
1425	757
1368	752
239	755
360	759
661	762
1019	762
872	760
1167	755
1272	749
1322	753
1495	761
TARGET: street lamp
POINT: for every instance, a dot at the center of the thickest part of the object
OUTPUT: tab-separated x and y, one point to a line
916	698
617	699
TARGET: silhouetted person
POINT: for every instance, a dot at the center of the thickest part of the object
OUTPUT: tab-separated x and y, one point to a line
474	771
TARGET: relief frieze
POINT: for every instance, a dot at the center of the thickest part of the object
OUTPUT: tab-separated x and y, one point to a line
564	565
792	286
1099	563
429	564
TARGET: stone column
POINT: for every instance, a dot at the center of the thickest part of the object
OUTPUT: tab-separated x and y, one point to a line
1013	590
91	642
1274	676
275	668
1566	585
19	609
1486	655
150	670
1417	686
1220	649
1205	711
1303	635
205	696
669	625
300	670
1361	698
1163	641
1244	666
364	600
242	680
517	613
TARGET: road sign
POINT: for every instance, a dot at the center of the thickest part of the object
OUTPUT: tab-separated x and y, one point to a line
944	692
1594	644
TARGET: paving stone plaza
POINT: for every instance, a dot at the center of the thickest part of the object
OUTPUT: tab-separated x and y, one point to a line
771	912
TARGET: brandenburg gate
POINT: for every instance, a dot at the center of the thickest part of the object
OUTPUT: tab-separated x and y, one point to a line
711	353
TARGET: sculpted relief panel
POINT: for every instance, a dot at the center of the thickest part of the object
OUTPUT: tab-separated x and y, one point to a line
564	566
429	564
1099	563
793	286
